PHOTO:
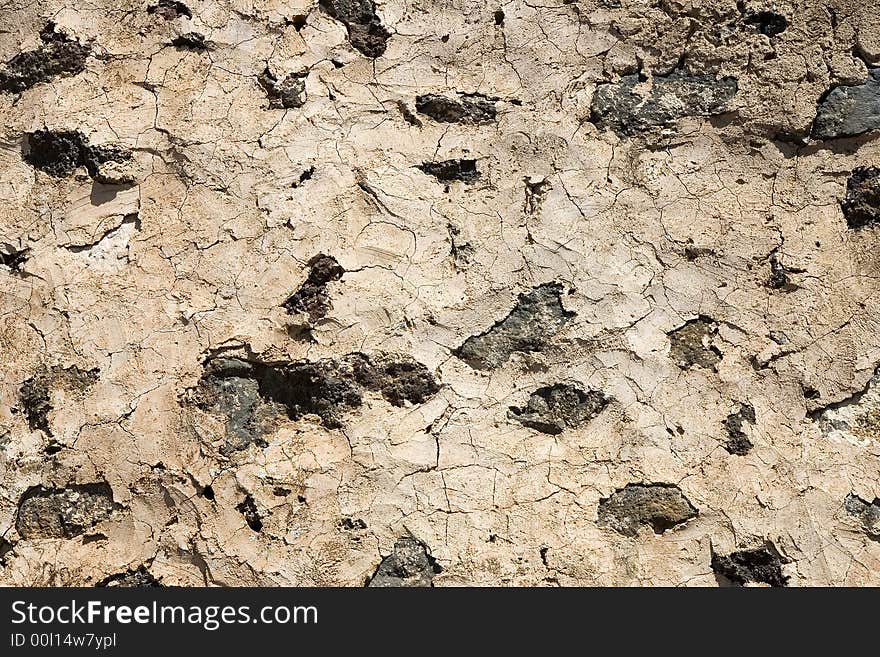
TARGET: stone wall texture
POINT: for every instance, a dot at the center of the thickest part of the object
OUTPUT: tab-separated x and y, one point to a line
443	292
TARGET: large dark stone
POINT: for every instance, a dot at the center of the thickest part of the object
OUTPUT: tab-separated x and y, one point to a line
849	111
537	316
660	506
622	108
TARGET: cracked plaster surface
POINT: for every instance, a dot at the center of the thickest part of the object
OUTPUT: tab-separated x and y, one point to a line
182	242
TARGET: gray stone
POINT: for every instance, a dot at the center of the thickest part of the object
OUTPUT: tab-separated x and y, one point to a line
537	316
554	408
471	108
409	565
691	344
63	513
623	109
867	512
250	393
849	111
365	31
661	506
287	93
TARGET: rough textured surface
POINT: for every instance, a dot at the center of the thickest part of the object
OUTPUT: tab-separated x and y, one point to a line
470	108
654	200
627	110
861	207
408	565
850	110
64	513
551	409
761	565
57	55
535	319
660	506
737	425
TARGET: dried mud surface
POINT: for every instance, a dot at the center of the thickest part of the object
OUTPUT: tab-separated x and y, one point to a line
351	293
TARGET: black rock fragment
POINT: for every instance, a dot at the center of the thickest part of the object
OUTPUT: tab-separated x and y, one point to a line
60	152
58	55
472	108
849	111
400	379
138	578
409	565
691	344
861	207
250	393
554	408
738	442
65	512
169	9
288	93
537	316
449	170
191	41
622	108
768	22
312	297
365	31
761	565
661	506
779	279
350	525
248	508
867	512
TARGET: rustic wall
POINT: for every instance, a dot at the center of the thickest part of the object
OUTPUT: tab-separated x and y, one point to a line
581	292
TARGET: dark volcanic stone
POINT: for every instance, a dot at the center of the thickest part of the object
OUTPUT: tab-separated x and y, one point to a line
248	394
762	565
59	55
169	9
63	513
472	108
867	512
365	31
554	408
57	153
248	509
861	207
662	506
621	108
60	152
691	344
288	93
739	442
535	319
34	396
768	22
312	297
399	378
95	156
409	565
849	111
191	41
449	170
